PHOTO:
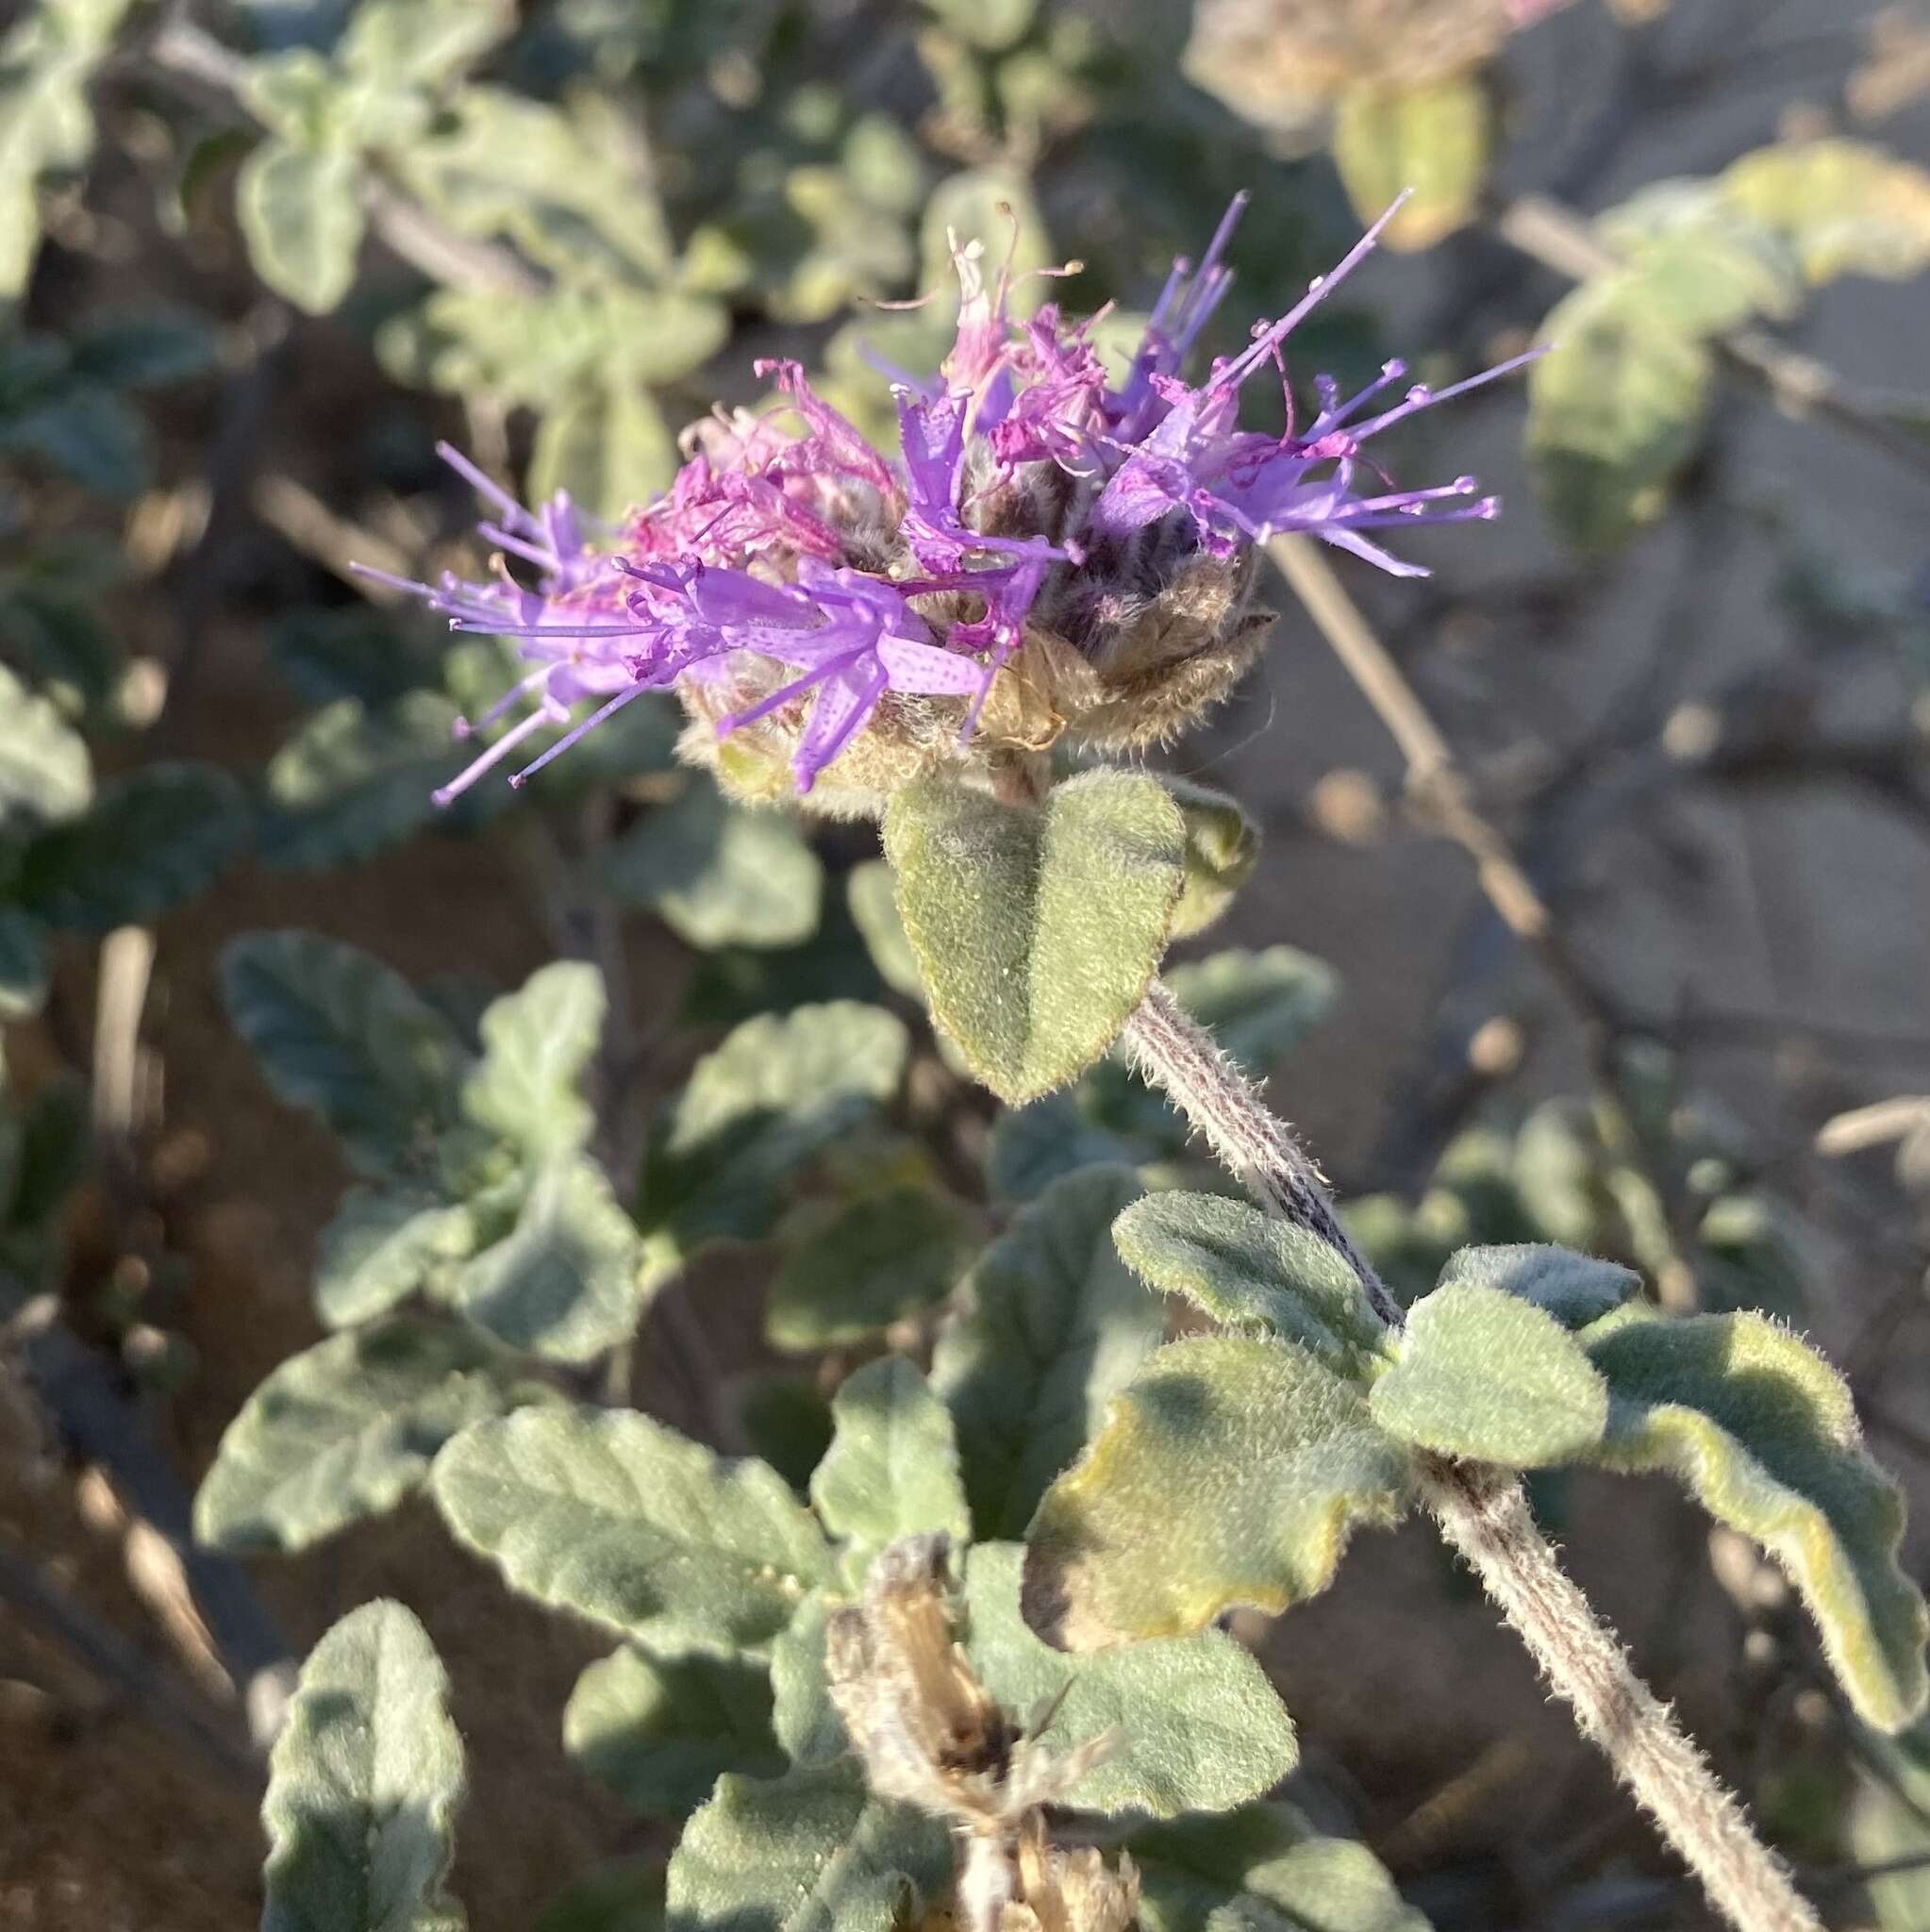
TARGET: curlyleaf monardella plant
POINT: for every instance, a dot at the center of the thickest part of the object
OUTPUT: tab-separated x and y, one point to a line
1048	555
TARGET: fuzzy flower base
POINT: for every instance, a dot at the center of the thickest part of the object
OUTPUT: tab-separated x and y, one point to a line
1044	556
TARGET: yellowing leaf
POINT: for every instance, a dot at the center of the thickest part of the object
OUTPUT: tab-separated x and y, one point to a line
1433	139
1847	206
1229	1471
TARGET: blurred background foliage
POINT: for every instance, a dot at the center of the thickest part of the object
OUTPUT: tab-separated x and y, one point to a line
256	257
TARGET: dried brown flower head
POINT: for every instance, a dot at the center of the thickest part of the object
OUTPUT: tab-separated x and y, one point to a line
930	1735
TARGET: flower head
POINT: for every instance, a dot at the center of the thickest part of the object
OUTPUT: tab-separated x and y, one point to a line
1045	553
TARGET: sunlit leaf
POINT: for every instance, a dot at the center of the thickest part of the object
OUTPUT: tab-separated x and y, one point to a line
1483	1375
380	1248
1252	1272
612	1515
363	1785
1198	1724
1432	138
893	1468
568	1280
1847	206
537	1045
343	1430
1763	1432
46	774
1615	408
1705	263
301	213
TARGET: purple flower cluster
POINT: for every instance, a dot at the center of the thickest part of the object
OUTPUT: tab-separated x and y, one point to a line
789	537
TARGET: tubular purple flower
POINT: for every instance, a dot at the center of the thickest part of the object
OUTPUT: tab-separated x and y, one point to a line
1043	553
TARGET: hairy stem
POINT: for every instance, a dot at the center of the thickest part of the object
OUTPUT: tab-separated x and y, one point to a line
1176	1053
1483	1515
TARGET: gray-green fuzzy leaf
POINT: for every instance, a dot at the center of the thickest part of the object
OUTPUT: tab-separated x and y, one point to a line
346	1429
810	1852
607	444
301	213
356	778
776	1093
1229	1471
363	1785
1263	1867
1251	1272
1763	1432
568	1280
1483	1374
1223	846
1575	1289
873	894
660	1731
1199	1726
537	1045
803	1716
1055	1327
1615	408
380	1248
336	1031
892	1468
1037	929
874	1262
718	874
614	1516
149	841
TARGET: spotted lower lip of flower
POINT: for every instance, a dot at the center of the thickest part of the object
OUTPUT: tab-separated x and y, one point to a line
1043	555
